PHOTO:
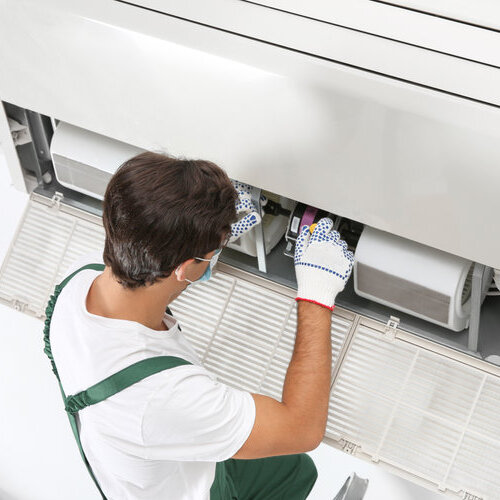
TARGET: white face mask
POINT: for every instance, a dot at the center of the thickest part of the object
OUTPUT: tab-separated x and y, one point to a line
208	272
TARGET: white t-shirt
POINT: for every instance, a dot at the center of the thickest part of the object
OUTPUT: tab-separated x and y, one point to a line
159	438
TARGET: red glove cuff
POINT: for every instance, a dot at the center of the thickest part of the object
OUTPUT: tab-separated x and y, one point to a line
314	302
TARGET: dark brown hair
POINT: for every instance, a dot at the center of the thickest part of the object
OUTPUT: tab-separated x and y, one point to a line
160	211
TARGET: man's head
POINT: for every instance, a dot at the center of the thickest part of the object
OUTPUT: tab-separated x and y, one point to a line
160	212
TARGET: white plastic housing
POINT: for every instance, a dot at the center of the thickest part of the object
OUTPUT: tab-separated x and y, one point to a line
386	108
414	278
85	161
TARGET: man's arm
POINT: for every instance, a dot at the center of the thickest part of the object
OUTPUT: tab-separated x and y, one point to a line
297	424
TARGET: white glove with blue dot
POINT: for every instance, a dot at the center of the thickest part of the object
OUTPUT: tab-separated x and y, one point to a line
246	206
322	264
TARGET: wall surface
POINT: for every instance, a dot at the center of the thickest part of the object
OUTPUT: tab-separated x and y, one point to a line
39	459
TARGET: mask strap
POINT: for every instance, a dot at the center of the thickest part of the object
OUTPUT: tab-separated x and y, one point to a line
185	279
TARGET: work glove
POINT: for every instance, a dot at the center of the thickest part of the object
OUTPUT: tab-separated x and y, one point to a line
246	207
322	264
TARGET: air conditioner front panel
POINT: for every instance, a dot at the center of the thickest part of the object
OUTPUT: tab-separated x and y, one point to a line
485	13
446	26
407	157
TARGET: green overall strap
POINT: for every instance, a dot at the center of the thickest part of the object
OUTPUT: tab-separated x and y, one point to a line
110	386
107	387
121	380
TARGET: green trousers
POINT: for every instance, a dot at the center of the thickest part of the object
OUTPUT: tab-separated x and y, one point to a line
287	477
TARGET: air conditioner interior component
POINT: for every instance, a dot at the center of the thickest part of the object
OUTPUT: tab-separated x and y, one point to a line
274	227
413	278
303	215
20	133
426	412
85	161
496	277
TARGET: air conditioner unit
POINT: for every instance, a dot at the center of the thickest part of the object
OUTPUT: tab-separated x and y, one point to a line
390	119
85	161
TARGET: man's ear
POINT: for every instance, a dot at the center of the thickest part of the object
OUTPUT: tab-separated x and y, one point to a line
180	272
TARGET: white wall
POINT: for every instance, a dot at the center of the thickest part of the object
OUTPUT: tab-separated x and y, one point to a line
39	459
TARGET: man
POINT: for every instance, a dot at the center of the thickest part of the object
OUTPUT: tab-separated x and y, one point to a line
179	433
